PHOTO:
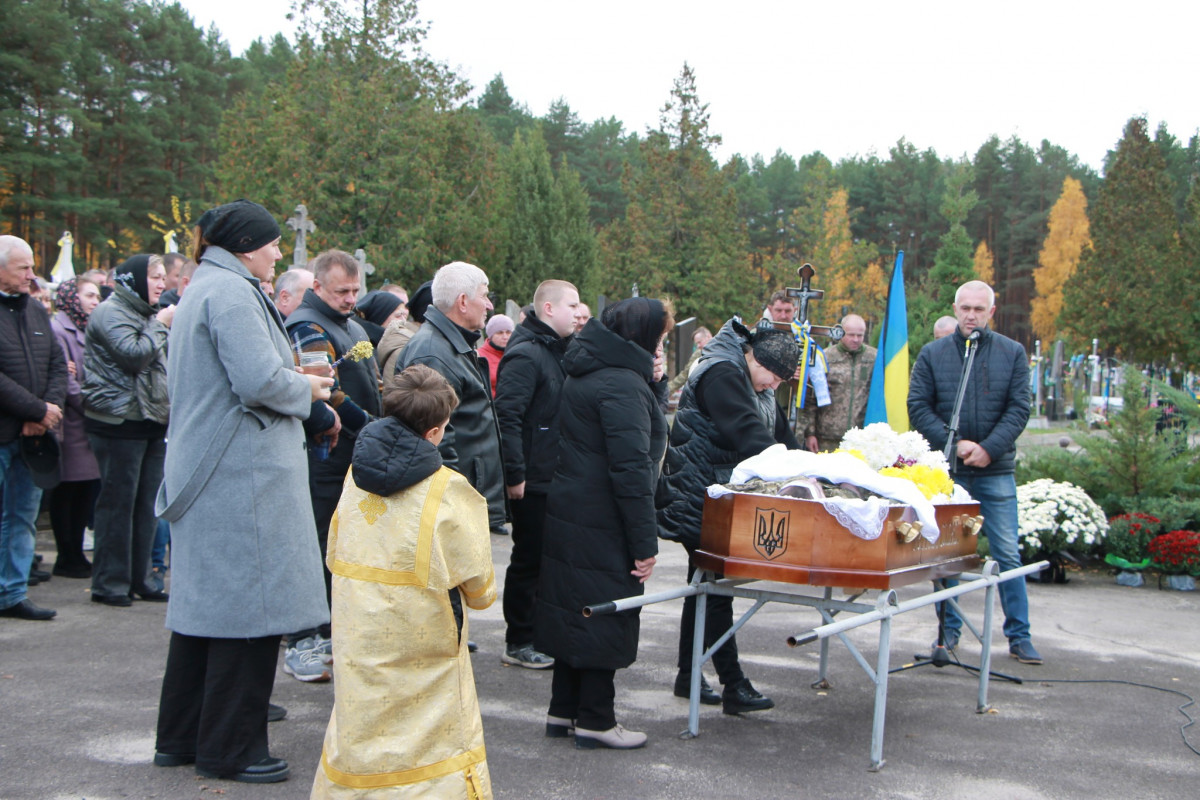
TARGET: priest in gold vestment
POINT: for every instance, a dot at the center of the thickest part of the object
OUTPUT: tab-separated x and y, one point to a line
408	548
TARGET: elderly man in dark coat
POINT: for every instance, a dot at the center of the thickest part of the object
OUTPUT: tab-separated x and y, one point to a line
446	343
33	388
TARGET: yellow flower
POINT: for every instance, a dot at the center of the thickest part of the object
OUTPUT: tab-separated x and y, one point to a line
852	452
361	350
930	480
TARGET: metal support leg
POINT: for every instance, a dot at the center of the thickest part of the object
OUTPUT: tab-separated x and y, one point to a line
693	728
985	659
881	687
823	669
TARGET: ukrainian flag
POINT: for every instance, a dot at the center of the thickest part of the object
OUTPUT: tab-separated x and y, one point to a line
888	400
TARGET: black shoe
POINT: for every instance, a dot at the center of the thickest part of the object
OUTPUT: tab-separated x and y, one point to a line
153	595
683	689
84	571
471	646
269	770
27	610
275	713
742	697
41	574
119	600
173	759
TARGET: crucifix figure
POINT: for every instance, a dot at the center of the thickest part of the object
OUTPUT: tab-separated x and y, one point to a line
303	226
804	295
635	291
364	269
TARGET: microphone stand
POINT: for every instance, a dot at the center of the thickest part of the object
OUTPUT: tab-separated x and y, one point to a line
940	656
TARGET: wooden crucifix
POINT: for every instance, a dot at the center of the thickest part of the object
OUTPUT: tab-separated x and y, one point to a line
364	269
803	296
303	226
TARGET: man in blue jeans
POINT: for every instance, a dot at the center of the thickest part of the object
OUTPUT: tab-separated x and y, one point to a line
33	388
994	411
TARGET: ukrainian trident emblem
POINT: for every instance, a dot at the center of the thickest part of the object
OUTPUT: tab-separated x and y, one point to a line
771	532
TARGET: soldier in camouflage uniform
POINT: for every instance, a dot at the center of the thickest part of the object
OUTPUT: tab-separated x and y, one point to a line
850	364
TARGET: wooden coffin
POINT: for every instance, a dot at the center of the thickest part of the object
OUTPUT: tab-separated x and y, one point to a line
792	540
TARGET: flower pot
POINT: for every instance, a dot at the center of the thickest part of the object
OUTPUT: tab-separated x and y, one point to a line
1128	577
1180	583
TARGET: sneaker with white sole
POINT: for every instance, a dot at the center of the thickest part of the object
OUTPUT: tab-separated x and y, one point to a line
304	663
324	647
524	655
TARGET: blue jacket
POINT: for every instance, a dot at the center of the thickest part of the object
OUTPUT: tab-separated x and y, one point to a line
996	403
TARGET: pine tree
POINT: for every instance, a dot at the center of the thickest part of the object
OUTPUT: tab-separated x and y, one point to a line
681	237
1064	246
1126	286
954	263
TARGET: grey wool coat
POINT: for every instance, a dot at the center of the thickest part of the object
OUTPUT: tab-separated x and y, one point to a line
244	556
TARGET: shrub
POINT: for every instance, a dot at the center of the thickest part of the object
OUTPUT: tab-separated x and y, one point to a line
1176	553
1129	536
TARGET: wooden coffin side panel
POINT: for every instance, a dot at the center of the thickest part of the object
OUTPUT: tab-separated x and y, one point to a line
798	541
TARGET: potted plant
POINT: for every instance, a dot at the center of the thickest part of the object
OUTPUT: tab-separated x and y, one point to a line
1126	544
1055	520
1177	556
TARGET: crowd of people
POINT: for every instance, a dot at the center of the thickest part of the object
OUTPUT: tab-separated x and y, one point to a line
371	444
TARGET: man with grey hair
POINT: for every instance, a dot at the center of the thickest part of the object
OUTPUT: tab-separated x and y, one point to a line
944	326
446	343
290	288
983	458
33	388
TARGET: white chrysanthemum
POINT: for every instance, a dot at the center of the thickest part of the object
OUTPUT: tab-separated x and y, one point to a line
1054	516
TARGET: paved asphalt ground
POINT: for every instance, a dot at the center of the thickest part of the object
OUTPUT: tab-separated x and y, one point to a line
78	700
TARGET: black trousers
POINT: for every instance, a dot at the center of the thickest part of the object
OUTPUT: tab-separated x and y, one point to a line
214	700
130	473
718	620
521	578
71	504
584	695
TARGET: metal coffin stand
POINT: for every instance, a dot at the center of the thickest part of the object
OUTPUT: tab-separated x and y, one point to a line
741	540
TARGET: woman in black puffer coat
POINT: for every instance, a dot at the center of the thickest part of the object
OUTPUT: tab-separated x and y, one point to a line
601	535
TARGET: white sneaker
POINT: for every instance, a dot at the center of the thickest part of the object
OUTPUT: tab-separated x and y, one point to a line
89	541
304	663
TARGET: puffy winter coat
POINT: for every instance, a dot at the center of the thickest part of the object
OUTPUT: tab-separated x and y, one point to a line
701	452
528	394
600	510
125	357
996	403
33	371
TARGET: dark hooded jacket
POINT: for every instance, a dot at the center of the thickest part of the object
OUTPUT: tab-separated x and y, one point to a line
600	510
995	406
528	391
33	370
720	422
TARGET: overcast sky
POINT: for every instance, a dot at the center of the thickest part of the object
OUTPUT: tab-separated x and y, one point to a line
842	78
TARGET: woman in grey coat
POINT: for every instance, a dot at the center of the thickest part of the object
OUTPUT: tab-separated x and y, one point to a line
245	565
125	413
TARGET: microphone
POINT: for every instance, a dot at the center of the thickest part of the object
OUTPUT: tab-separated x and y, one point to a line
974	337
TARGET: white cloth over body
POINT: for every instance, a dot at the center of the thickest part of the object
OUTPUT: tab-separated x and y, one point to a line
864	518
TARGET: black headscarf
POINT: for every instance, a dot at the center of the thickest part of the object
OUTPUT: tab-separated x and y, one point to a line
419	301
641	320
131	276
377	306
239	227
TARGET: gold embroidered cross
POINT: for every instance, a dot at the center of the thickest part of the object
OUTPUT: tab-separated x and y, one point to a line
372	507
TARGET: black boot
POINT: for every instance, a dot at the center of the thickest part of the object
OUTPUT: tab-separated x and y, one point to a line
683	687
741	697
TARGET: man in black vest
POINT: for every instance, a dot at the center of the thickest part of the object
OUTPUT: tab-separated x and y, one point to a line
324	323
528	388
